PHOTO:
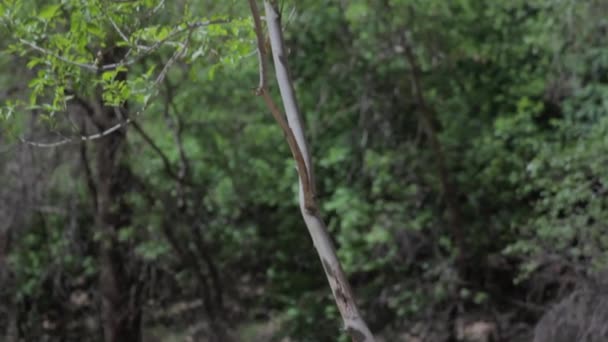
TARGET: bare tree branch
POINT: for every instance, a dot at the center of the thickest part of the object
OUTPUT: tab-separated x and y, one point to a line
90	67
262	90
426	116
161	154
176	126
88	174
354	324
260	45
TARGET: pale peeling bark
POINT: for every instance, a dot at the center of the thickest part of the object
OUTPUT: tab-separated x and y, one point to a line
354	324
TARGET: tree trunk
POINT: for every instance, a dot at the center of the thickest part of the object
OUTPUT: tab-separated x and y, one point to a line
121	314
6	289
120	309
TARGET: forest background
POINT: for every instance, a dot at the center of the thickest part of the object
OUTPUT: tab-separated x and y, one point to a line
459	147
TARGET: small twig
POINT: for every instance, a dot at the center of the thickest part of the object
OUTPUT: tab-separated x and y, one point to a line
89	67
261	49
161	76
126	62
118	30
81	138
177	31
166	163
176	126
159	6
88	173
125	122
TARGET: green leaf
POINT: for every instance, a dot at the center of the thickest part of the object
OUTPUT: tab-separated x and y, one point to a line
125	234
49	11
95	30
33	62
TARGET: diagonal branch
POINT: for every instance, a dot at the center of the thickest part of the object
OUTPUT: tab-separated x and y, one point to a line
292	126
180	52
146	50
426	115
263	64
148	139
175	124
262	90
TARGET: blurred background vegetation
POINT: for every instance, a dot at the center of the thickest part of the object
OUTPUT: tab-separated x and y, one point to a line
460	148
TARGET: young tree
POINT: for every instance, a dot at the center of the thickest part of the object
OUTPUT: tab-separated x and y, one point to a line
293	129
89	86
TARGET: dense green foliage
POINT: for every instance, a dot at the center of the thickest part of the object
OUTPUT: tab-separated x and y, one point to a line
498	105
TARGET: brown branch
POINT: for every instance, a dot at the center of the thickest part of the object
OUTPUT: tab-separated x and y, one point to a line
152	144
426	117
309	196
84	159
203	251
166	163
189	260
176	126
260	45
86	165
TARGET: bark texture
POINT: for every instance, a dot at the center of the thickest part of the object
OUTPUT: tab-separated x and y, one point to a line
120	309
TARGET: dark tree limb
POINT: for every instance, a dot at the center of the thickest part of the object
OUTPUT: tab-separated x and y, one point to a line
426	115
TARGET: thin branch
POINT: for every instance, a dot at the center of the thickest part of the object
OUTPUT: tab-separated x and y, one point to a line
158	7
176	32
88	174
278	115
152	144
50	209
176	126
427	116
178	54
81	138
296	152
161	76
89	67
260	45
118	30
126	62
291	124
